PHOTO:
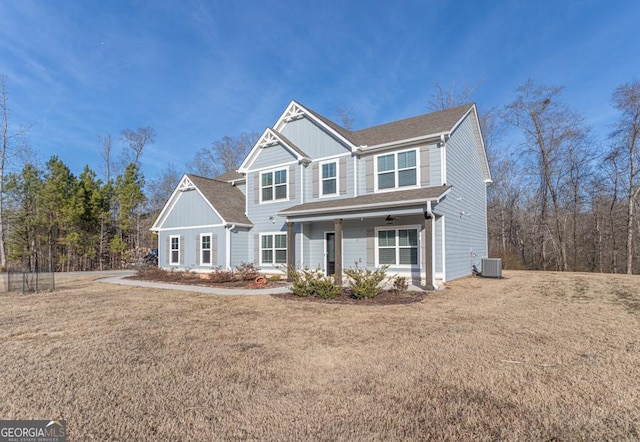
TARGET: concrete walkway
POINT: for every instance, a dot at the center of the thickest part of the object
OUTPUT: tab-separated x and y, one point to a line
119	279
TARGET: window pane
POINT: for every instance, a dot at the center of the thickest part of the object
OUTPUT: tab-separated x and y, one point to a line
387	256
280	176
385	163
409	256
206	257
329	170
408	238
281	192
267	256
386	238
175	243
328	187
175	256
407	159
267	194
267	242
267	179
386	180
281	241
407	177
281	256
206	242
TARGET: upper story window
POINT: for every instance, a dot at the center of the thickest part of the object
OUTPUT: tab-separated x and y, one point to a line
397	169
273	185
329	178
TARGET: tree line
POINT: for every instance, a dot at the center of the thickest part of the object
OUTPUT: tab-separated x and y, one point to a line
560	198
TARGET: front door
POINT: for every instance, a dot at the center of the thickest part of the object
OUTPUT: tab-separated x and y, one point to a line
330	245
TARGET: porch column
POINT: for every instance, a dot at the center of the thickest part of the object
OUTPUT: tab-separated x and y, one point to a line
338	249
428	252
291	251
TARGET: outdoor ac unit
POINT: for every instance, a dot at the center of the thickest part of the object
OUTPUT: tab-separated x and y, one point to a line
492	267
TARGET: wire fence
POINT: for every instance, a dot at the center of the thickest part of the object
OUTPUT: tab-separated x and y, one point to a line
18	280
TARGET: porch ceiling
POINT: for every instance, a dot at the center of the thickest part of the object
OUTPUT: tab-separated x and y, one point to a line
398	201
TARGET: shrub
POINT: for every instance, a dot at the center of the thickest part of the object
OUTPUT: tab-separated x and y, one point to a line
400	284
247	271
309	282
366	283
274	278
221	275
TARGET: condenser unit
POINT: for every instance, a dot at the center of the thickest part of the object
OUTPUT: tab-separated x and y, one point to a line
492	267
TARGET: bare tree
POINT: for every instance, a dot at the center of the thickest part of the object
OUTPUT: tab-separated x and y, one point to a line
7	148
551	132
223	156
443	98
137	141
346	117
106	151
626	99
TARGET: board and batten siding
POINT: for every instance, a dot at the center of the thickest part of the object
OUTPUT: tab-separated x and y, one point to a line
465	207
190	209
312	139
272	157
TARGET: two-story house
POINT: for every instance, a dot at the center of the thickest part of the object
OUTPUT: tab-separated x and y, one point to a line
410	194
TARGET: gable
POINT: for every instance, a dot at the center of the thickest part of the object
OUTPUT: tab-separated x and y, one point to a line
315	141
189	209
271	156
470	124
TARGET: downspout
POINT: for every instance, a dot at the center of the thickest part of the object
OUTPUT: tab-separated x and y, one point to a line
431	219
228	245
443	158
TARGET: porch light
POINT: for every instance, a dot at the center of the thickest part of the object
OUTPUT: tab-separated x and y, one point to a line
389	219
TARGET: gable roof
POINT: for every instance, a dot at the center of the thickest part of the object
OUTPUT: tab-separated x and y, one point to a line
423	125
226	199
271	137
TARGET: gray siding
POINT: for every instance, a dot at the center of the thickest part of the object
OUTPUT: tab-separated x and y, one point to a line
189	248
465	206
272	156
435	164
312	181
240	247
313	140
190	210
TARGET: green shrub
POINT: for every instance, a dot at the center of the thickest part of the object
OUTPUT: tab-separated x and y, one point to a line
366	283
308	282
400	284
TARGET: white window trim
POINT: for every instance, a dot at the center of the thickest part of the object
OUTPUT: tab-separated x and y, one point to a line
210	263
418	228
395	170
287	171
337	178
171	249
272	264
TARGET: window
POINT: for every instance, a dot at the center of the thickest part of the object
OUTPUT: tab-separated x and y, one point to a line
205	250
174	253
398	169
273	248
273	185
329	178
398	247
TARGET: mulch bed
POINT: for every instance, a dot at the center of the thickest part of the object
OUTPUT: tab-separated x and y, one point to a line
386	297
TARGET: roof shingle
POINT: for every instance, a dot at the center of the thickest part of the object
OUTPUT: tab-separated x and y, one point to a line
227	199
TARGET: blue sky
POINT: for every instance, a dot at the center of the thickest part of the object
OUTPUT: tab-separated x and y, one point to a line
198	70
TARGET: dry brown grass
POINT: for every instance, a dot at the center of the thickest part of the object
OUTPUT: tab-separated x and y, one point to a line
535	356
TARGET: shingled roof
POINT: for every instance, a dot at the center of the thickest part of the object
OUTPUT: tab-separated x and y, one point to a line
369	201
227	199
408	128
231	175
